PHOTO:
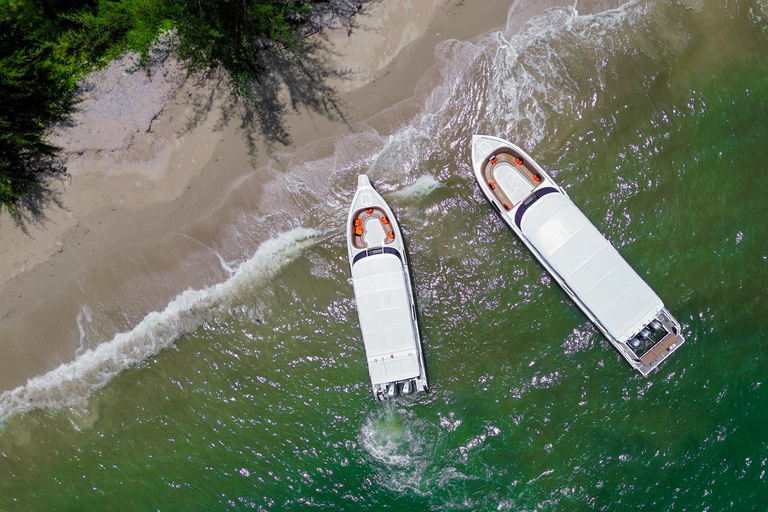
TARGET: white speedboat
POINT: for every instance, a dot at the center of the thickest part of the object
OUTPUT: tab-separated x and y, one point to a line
590	270
385	306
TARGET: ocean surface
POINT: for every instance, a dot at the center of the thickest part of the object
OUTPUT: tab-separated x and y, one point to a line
253	393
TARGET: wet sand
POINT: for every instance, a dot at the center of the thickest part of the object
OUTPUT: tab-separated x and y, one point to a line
156	177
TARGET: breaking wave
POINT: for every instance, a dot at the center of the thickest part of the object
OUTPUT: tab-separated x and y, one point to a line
72	382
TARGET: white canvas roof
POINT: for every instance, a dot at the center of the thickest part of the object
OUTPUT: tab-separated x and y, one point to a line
590	266
385	318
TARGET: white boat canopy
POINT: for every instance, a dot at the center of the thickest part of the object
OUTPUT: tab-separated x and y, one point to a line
385	318
589	264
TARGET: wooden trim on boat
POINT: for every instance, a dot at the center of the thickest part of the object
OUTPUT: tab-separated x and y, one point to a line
666	342
503	155
357	240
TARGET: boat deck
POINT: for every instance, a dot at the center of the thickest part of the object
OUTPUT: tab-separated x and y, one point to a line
666	342
372	228
509	177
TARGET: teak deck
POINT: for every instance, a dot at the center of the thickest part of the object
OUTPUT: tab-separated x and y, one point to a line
362	216
504	156
666	342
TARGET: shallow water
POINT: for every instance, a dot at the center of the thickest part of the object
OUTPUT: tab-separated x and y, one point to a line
253	393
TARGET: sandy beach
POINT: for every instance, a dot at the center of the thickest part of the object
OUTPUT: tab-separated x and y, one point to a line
159	164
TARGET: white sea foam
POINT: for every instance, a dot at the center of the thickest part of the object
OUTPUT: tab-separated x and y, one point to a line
72	382
390	439
580	339
422	187
531	79
477	442
403	447
85	313
227	266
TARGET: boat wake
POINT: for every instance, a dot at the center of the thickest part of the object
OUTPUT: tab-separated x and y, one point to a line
401	447
412	455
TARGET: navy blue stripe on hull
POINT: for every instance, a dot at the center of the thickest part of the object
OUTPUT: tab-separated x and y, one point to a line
373	252
538	194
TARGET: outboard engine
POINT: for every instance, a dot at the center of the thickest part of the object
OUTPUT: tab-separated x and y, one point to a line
656	325
407	388
645	333
635	343
391	390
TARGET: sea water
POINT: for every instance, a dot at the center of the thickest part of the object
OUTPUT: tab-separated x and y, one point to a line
253	393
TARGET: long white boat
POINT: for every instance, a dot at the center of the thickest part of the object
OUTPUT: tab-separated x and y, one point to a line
590	270
385	306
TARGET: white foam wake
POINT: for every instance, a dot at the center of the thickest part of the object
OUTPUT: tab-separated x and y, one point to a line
401	445
72	382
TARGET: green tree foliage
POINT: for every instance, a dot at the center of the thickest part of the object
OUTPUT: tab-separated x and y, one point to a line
46	46
35	91
234	34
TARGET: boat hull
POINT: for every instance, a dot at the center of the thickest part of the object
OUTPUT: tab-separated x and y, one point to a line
585	265
384	296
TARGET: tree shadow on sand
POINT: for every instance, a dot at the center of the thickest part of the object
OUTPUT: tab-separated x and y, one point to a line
293	79
31	209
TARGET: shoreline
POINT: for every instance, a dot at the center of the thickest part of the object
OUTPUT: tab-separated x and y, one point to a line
118	234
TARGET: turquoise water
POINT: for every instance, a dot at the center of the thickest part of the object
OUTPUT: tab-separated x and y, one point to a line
654	116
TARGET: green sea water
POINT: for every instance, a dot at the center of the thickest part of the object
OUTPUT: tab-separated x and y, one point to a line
654	117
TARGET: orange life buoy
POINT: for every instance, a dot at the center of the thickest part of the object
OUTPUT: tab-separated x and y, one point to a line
518	161
391	235
494	160
359	231
492	185
536	178
358	222
507	206
384	221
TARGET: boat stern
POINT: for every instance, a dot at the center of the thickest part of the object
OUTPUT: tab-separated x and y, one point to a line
383	392
655	342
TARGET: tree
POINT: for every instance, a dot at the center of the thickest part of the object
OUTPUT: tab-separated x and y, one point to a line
36	91
47	45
